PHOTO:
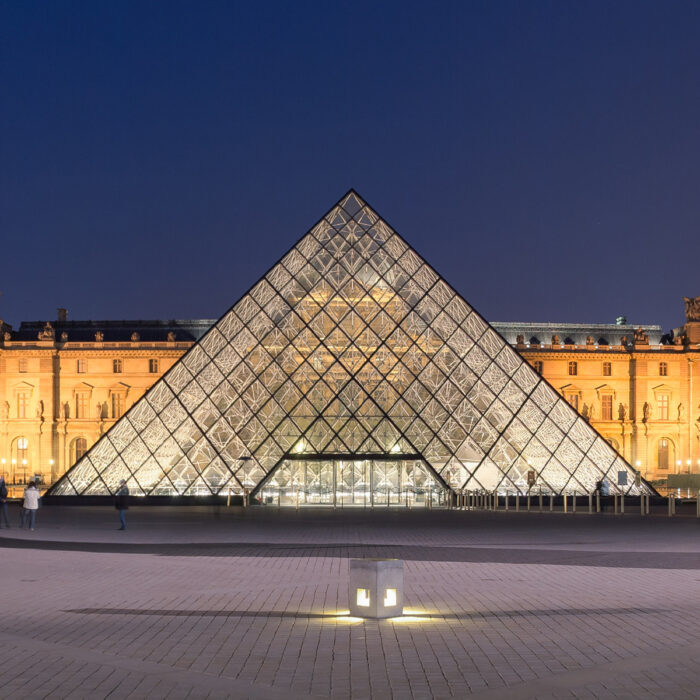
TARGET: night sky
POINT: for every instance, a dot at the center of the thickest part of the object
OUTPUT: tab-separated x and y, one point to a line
157	157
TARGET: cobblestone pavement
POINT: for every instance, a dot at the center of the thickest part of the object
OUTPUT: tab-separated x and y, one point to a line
225	603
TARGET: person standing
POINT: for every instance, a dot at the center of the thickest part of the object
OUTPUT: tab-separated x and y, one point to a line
3	502
30	506
121	503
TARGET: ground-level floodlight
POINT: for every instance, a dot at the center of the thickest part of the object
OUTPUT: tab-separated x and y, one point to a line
376	588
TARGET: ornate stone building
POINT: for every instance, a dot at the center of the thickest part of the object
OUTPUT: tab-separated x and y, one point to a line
64	383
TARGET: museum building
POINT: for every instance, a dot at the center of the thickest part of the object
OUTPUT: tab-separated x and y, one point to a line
351	372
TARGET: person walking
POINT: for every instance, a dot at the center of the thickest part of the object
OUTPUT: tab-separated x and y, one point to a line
3	502
30	506
121	503
603	488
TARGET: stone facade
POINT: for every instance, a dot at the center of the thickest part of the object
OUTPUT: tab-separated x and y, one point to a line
63	384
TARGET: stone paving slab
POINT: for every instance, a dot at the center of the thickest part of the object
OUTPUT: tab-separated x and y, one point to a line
254	606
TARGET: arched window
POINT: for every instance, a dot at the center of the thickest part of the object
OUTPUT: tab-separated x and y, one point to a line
77	449
663	369
534	340
664	454
603	341
569	341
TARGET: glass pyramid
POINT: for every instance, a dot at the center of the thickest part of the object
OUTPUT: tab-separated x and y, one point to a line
350	368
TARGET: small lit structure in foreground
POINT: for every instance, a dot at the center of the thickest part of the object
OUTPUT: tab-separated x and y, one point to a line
376	588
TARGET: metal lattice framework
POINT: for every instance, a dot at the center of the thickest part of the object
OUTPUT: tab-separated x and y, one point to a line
350	347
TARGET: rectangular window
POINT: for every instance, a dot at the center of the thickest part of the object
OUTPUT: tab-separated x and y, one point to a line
538	366
22	405
573	400
663	455
573	369
607	369
81	405
153	366
117	366
81	366
607	407
117	405
663	407
663	369
24	365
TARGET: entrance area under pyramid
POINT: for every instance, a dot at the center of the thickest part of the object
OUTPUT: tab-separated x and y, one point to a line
350	374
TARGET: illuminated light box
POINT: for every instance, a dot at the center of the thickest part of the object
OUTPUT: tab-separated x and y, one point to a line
376	588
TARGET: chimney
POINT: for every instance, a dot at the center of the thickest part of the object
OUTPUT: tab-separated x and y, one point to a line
62	315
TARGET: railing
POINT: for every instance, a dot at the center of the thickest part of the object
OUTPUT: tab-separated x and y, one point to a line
574	502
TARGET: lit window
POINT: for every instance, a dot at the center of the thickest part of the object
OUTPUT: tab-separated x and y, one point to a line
607	369
78	449
81	405
363	597
664	453
663	369
81	366
573	400
24	365
22	405
117	366
153	366
538	366
663	407
573	368
606	402
389	597
117	405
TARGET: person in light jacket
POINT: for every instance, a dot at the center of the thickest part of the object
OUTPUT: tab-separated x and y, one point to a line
30	505
3	502
121	503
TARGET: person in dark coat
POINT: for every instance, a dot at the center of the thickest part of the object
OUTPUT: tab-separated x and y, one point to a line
121	503
3	502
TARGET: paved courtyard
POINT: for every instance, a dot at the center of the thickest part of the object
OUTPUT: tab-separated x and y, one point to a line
225	603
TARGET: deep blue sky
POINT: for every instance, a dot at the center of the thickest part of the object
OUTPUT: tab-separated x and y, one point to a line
157	157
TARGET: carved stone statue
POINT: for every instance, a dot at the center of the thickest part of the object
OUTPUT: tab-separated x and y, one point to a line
692	308
681	412
40	410
171	336
590	341
61	411
646	412
64	337
623	340
641	337
8	335
99	336
520	340
555	340
135	337
622	411
47	332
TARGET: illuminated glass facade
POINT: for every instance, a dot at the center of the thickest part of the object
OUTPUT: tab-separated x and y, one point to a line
351	373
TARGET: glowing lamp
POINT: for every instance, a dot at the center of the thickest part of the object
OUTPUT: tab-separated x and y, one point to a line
376	588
